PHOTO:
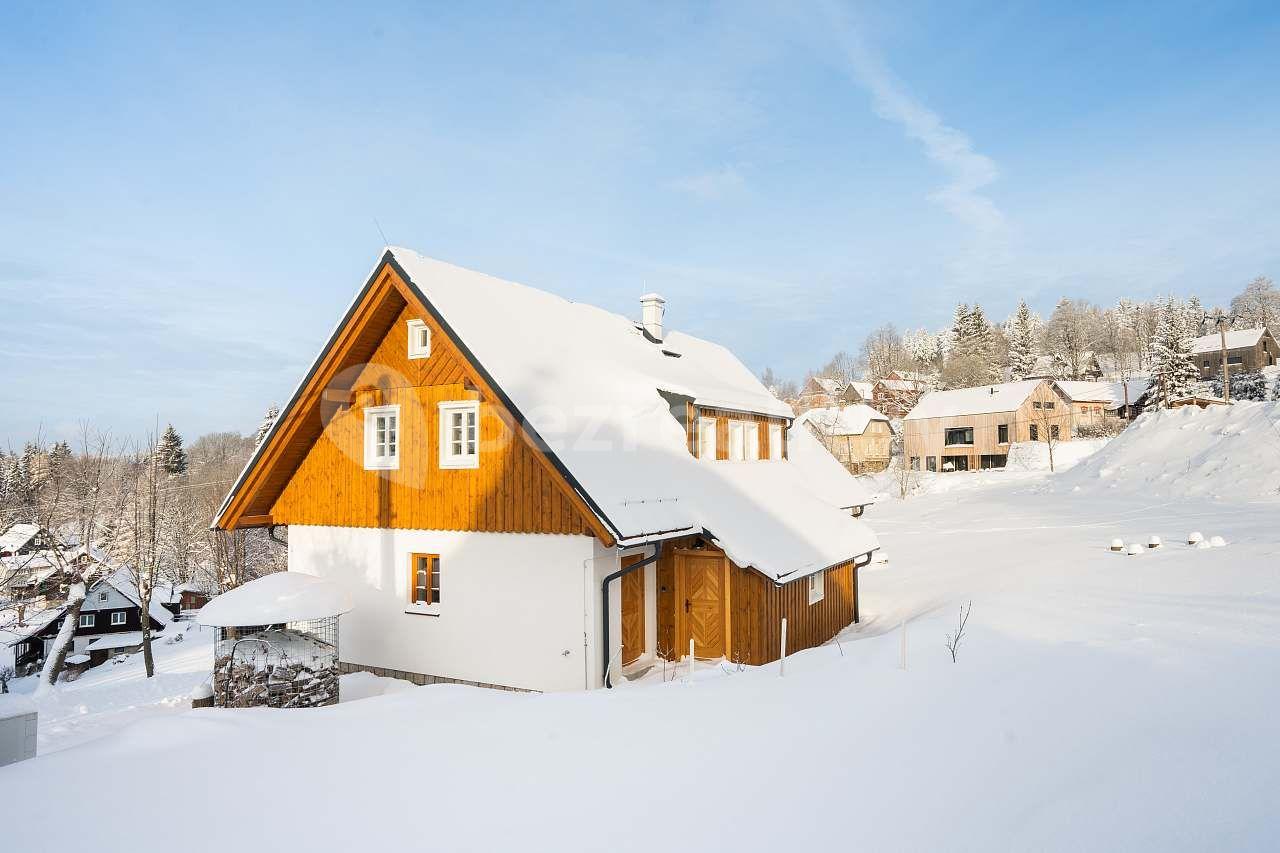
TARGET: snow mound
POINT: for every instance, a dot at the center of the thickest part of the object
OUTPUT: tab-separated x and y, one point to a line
278	598
1034	455
1226	452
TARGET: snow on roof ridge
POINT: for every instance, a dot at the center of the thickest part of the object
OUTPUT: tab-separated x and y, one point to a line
1236	339
977	400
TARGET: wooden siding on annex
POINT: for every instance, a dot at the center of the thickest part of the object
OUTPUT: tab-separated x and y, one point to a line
757	606
927	436
511	491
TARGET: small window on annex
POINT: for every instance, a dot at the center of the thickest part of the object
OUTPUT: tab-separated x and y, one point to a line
706	438
960	436
460	434
817	587
419	339
775	441
424	583
751	441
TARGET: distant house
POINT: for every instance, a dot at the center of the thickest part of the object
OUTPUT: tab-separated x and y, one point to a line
1089	368
1092	402
191	595
898	392
22	539
972	428
1247	350
857	435
820	391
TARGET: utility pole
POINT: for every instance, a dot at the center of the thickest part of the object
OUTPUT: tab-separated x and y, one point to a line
1223	320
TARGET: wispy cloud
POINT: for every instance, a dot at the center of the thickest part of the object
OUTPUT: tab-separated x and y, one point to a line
947	146
713	185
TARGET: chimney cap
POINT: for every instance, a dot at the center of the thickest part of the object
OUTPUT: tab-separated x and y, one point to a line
653	297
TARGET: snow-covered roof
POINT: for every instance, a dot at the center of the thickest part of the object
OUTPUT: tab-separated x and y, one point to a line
851	419
1236	339
277	598
1110	393
984	399
823	473
33	622
827	385
122	640
587	381
17	536
864	389
122	581
900	384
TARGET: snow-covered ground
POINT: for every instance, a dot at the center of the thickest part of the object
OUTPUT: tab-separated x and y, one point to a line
1100	701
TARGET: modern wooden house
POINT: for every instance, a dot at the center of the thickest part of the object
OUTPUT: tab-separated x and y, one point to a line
972	428
857	435
1247	350
525	492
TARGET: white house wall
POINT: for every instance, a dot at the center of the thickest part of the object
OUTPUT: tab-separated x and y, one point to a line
515	609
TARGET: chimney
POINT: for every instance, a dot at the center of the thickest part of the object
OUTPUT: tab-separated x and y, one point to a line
651	315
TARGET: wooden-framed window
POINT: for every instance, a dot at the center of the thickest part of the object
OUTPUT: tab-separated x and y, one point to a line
86	620
817	587
118	617
959	436
424	578
737	441
460	434
707	438
419	339
1035	432
775	441
382	438
1002	434
751	440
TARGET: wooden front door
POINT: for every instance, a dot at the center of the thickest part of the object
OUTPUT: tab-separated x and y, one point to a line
702	599
632	612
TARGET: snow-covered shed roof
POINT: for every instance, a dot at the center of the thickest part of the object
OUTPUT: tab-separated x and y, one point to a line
33	622
823	473
121	640
1109	393
1236	339
17	536
277	598
984	399
851	419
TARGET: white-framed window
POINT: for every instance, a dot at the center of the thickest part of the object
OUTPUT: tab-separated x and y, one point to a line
419	339
817	587
706	438
775	441
22	649
86	620
382	438
460	434
117	617
102	596
737	441
751	440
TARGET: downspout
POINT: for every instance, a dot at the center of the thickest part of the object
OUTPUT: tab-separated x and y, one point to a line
604	601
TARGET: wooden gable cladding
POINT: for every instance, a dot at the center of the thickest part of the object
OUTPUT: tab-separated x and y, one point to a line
313	471
723	416
755	609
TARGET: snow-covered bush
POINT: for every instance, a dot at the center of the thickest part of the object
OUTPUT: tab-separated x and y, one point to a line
1248	385
1105	428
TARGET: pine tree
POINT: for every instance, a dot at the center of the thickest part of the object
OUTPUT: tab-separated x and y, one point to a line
268	421
1173	371
1194	318
1022	342
170	453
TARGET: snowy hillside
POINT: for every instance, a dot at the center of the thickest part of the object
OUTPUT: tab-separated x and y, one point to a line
1227	453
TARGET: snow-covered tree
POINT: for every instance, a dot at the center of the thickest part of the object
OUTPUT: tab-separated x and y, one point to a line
1250	385
170	453
1173	371
972	358
1069	337
268	420
1022	330
924	348
882	352
1195	319
1257	305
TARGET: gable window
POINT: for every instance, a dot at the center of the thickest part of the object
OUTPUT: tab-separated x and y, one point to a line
382	438
1036	404
419	339
117	617
751	440
775	441
706	438
86	620
424	583
960	436
1002	434
102	596
817	587
460	434
1049	405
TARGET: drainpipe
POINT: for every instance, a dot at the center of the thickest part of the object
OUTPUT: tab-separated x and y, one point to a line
604	601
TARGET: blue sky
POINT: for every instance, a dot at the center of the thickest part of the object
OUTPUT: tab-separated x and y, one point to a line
188	198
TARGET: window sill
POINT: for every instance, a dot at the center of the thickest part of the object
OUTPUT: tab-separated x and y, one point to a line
459	465
382	466
423	610
960	446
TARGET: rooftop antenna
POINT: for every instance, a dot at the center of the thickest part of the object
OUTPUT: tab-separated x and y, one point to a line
385	241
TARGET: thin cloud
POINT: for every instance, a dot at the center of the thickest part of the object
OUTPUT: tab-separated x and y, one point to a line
715	185
950	148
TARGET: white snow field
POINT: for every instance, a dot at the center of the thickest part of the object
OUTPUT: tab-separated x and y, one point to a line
1099	701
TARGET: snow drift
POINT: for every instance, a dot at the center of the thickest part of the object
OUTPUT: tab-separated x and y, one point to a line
1230	453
